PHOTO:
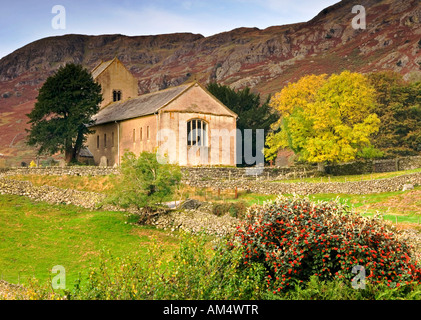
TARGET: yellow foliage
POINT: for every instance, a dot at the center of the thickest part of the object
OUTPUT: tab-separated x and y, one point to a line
325	118
297	94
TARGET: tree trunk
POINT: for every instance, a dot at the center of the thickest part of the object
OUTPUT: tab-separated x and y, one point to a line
321	167
78	143
68	154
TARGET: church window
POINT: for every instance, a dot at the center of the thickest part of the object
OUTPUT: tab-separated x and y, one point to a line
116	95
197	133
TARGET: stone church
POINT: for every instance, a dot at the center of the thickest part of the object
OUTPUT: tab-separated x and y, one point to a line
186	123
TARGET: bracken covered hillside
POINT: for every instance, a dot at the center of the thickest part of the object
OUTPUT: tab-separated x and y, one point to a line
262	59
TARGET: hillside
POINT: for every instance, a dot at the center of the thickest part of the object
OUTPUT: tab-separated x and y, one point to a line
262	59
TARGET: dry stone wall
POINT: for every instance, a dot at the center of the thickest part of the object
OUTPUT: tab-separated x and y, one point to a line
50	194
372	166
305	188
233	174
70	170
231	178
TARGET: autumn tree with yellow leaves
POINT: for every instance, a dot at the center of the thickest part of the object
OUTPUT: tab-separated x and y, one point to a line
325	118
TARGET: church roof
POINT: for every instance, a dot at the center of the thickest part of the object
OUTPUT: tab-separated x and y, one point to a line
140	106
101	67
85	152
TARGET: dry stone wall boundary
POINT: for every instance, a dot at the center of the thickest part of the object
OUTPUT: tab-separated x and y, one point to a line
51	194
70	171
215	178
304	188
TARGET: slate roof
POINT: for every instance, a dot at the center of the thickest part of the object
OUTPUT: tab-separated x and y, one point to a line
140	106
100	68
84	152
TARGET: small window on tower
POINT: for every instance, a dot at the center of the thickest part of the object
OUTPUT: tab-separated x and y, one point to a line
116	95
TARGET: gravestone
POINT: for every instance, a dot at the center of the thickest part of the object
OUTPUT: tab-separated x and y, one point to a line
62	163
103	162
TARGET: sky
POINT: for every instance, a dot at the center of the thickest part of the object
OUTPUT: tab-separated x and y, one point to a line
25	21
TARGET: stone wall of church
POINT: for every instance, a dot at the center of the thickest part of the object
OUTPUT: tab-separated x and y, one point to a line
221	139
103	144
138	134
196	103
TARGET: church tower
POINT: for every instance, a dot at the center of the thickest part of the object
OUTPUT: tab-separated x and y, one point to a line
116	81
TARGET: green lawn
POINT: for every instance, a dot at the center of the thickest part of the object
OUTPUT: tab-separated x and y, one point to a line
35	237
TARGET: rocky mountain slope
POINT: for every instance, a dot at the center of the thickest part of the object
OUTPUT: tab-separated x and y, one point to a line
262	59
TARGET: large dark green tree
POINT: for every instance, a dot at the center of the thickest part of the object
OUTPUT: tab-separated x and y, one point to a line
63	112
252	114
399	111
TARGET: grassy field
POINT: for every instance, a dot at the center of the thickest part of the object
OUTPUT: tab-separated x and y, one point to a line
35	237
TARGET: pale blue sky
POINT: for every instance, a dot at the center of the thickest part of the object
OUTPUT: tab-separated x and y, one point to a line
24	21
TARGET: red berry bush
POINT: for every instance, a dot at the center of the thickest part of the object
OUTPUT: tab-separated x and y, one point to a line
295	239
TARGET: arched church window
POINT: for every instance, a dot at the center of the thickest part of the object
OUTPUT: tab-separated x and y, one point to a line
197	134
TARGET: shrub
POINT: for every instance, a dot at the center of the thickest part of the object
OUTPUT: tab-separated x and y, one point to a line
219	209
195	272
316	289
145	181
238	209
296	239
235	209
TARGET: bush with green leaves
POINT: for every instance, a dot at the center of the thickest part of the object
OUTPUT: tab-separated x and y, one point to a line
146	182
196	271
295	239
235	209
